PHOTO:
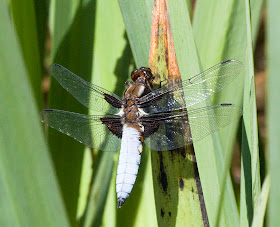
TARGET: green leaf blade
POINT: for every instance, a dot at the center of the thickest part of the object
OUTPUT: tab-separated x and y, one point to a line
260	208
226	39
72	31
24	19
28	183
273	109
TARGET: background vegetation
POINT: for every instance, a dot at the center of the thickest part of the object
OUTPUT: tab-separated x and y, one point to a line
45	177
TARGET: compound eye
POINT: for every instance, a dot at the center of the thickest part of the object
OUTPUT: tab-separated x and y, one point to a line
147	74
135	74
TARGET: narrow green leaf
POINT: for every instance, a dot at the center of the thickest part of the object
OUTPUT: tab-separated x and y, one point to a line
29	192
219	27
222	36
24	19
137	16
41	13
256	13
260	207
87	173
184	42
273	109
250	164
210	151
72	31
189	5
110	214
62	15
99	192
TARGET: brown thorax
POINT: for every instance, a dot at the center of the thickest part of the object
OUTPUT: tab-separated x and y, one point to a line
140	85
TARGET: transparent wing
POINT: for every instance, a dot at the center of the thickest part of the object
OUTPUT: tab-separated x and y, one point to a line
174	128
90	95
191	91
87	129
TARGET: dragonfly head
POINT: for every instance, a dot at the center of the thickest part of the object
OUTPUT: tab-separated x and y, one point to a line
141	75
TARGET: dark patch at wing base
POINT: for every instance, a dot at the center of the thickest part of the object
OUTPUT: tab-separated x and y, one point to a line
150	128
114	125
113	101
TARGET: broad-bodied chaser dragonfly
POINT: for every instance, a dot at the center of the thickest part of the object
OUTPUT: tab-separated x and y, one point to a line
157	117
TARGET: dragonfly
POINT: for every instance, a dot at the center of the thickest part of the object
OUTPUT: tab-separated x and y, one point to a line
158	117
